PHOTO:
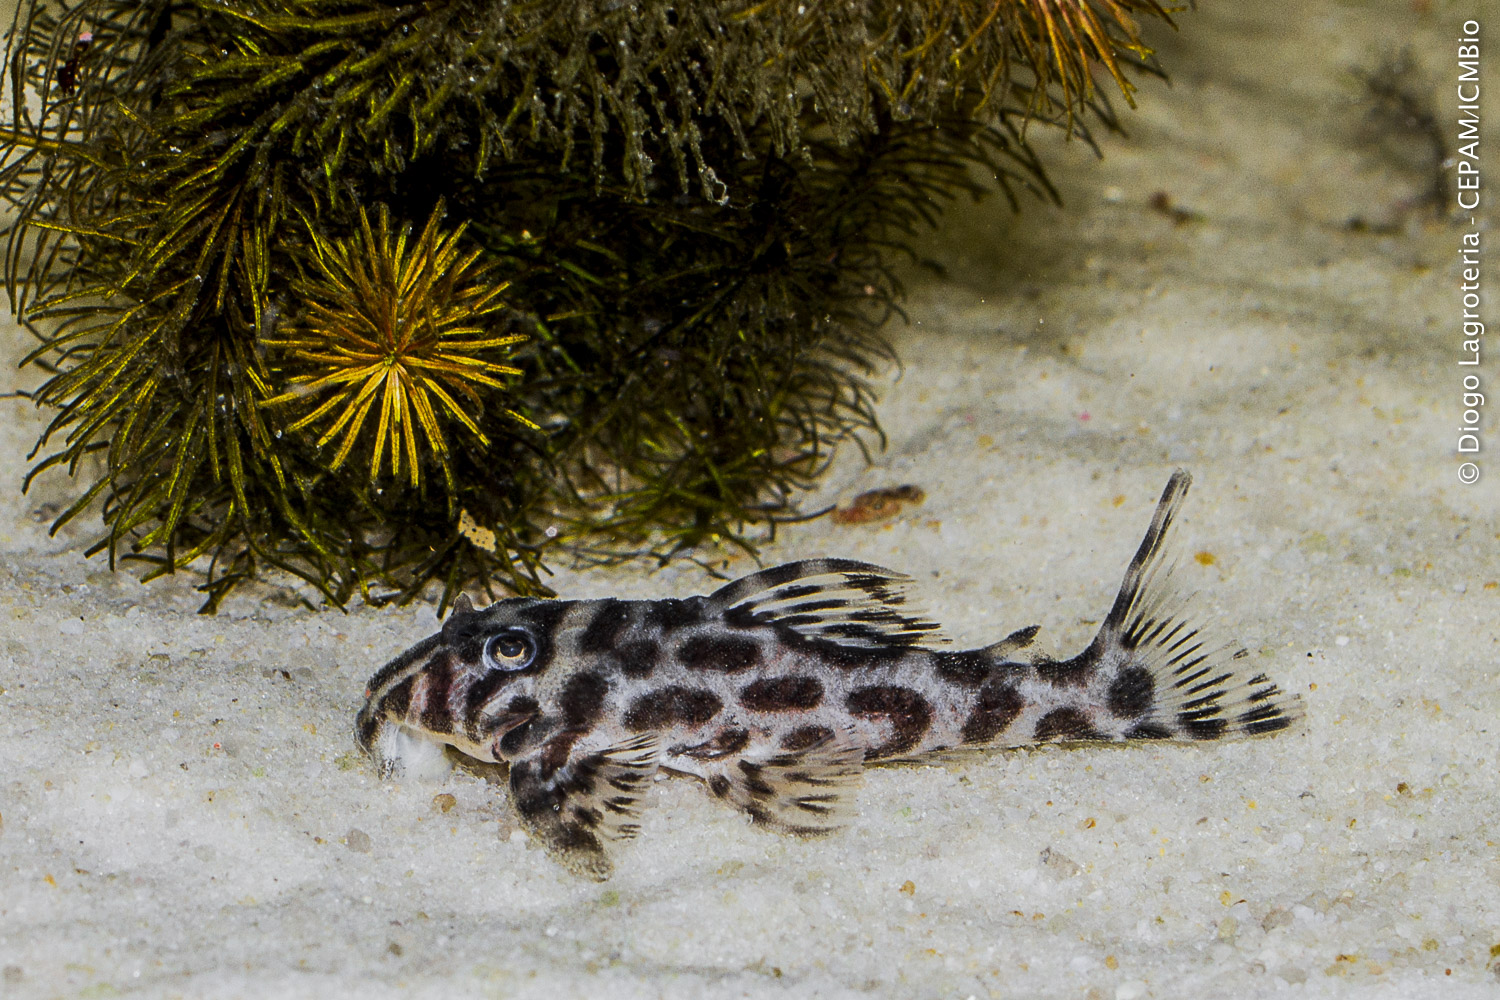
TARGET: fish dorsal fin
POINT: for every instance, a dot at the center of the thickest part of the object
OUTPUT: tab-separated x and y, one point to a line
837	600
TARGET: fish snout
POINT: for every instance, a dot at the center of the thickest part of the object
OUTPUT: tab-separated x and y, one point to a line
367	727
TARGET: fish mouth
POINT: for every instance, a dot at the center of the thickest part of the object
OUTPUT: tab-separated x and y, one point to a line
372	722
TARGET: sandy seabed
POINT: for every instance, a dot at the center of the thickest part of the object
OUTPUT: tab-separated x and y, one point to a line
183	811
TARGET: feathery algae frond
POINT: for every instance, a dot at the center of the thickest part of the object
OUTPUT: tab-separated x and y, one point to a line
401	328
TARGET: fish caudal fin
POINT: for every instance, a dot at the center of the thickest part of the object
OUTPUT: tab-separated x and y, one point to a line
1159	677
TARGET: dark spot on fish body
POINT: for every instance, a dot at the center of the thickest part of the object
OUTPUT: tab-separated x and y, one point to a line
719	785
1068	673
841	657
970	668
1131	693
672	614
671	706
483	690
604	629
546	613
582	699
437	679
729	654
638	658
782	694
397	700
544	617
463	634
726	744
995	709
805	736
474	719
908	713
554	755
651	711
365	730
1065	724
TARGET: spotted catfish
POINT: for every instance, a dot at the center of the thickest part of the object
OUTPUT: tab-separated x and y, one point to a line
777	690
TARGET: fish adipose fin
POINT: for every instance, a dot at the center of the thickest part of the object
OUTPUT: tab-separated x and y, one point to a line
807	792
835	600
592	800
1017	640
1162	679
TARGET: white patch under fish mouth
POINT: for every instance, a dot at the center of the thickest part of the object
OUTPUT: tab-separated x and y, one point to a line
401	751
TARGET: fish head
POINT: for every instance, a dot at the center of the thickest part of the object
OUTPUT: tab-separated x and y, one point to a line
473	685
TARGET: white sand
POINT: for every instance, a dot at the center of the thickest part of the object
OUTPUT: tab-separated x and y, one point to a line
183	812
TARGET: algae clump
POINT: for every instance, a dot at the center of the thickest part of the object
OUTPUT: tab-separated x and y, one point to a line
385	294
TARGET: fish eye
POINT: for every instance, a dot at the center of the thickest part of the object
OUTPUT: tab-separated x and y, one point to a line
509	650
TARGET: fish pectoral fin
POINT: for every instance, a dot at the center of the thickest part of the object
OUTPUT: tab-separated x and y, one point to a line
805	792
592	800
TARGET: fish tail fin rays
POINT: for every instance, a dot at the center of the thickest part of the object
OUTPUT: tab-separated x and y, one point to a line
1157	674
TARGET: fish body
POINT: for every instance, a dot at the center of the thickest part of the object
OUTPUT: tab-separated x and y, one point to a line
777	689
